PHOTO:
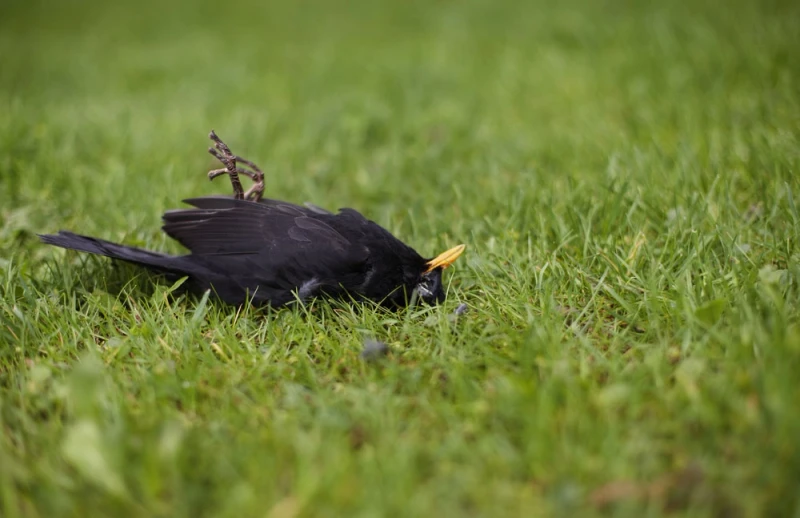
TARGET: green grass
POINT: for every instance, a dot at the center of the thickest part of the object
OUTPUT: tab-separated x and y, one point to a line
625	175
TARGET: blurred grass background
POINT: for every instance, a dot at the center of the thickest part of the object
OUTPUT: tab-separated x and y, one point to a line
623	172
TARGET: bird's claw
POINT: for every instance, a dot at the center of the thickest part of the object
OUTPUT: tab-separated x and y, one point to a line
222	152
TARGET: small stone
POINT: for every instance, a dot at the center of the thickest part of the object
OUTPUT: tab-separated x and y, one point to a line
374	350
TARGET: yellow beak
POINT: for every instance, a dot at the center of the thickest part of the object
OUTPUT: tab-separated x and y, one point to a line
445	259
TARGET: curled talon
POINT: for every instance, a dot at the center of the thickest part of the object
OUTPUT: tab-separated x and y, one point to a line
222	152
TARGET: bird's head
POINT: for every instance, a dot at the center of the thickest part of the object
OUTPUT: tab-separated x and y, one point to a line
429	287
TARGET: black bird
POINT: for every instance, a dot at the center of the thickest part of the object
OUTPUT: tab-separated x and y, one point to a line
274	252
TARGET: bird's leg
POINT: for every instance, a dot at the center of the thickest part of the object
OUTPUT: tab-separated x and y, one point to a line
222	152
257	175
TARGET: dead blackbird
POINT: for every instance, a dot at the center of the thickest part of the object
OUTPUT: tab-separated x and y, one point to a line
276	252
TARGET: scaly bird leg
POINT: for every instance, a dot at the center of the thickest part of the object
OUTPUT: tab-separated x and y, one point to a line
257	175
222	152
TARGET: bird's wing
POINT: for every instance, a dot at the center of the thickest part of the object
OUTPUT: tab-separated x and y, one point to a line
266	243
225	226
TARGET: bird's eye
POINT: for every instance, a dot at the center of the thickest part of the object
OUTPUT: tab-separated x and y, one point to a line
424	289
429	288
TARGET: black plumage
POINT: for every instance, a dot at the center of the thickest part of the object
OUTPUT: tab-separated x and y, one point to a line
277	252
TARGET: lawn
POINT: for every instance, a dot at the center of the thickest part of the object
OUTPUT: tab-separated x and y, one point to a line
624	174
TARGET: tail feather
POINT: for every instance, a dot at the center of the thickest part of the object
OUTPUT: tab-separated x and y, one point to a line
163	262
233	289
